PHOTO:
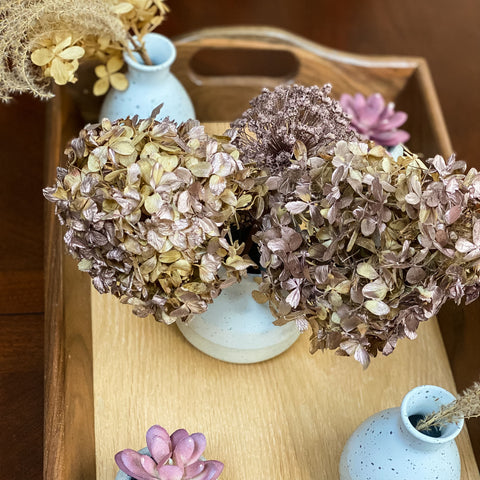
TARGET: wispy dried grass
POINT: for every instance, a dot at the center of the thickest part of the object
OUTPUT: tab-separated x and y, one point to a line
467	405
24	24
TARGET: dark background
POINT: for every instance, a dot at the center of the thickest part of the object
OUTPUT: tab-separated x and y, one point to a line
445	32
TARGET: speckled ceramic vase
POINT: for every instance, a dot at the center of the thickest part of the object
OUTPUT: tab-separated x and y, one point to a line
237	329
150	85
387	446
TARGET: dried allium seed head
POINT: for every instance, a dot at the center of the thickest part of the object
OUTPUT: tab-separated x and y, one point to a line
276	120
148	208
365	247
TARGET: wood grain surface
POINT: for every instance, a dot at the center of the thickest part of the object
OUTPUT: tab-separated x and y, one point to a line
445	33
286	418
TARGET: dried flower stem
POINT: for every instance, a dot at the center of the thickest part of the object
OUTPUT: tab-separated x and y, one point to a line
139	47
467	405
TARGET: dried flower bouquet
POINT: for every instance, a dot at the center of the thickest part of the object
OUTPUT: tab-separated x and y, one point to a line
357	245
44	40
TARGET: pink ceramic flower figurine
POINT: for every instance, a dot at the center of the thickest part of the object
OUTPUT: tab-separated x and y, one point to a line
375	120
173	457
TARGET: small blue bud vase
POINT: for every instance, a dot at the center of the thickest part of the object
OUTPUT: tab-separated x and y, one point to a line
150	86
387	446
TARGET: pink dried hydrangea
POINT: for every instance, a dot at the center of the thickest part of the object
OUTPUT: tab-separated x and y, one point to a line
171	457
362	247
374	120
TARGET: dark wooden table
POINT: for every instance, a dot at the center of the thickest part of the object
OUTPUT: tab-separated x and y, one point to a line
444	32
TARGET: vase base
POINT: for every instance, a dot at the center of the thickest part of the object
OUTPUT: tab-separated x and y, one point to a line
238	355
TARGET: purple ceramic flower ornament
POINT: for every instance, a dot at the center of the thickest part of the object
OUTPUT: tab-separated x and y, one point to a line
175	457
375	120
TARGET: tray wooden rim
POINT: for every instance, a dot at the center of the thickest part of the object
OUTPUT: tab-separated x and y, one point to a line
62	447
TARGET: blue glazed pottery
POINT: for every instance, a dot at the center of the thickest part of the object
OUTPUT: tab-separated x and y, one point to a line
387	446
150	86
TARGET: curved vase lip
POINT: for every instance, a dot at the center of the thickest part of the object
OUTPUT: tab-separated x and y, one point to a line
423	400
161	49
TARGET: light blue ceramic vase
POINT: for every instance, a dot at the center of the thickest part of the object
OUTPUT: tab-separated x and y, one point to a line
150	86
387	446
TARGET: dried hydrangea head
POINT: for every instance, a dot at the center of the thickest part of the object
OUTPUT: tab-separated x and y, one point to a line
363	247
172	457
374	120
276	120
148	208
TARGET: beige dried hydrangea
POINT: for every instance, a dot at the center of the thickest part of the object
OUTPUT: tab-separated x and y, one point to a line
48	39
363	247
148	208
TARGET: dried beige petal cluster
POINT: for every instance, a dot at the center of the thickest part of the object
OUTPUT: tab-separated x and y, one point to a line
363	247
47	39
148	208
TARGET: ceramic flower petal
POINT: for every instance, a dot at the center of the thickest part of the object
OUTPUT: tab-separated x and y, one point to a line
170	472
159	444
391	138
375	120
178	435
392	121
134	463
211	471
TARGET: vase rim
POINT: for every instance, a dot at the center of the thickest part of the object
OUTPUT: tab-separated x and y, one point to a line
154	41
429	396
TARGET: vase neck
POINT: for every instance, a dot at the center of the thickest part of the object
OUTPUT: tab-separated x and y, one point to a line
145	76
162	53
424	400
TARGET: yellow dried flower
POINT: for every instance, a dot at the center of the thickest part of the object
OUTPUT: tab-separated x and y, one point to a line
59	58
46	39
109	74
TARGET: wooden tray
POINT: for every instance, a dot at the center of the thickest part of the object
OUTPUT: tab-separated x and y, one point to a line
110	375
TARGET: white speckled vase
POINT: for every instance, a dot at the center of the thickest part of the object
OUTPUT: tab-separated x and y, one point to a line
387	446
237	329
150	85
